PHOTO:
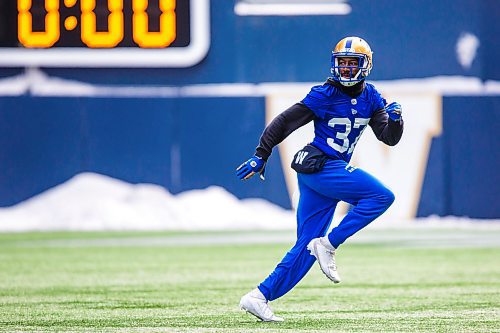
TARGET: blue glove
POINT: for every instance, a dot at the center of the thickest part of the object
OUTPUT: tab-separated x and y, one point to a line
251	167
394	111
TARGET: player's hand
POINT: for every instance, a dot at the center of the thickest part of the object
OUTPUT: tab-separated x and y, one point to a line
394	111
249	168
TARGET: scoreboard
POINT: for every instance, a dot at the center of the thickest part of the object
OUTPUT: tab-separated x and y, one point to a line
104	33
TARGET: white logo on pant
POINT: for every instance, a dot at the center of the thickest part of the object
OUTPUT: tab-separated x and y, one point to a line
350	168
300	157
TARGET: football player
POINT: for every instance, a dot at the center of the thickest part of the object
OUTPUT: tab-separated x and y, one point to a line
341	109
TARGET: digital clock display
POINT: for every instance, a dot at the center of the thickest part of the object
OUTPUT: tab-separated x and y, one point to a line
110	33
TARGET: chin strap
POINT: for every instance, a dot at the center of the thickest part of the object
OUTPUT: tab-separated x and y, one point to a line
353	90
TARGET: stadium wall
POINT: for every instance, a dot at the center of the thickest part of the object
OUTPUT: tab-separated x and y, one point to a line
187	143
462	170
179	143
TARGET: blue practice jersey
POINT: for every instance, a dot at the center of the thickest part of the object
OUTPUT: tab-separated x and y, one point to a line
341	119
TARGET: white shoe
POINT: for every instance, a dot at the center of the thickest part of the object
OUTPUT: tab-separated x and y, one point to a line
255	303
326	259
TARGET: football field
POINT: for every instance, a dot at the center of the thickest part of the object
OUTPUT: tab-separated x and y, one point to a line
398	281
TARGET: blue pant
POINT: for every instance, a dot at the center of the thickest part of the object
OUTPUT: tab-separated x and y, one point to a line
319	194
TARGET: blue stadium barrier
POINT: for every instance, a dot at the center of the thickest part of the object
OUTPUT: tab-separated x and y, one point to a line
462	172
179	143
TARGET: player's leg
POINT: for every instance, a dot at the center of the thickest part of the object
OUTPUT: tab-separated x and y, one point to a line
357	187
314	215
370	199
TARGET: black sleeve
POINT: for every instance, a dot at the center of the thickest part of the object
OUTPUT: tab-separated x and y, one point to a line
385	129
282	126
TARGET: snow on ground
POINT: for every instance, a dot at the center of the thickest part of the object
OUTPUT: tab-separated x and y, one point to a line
92	201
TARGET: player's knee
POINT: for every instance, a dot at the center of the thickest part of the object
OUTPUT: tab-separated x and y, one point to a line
388	197
385	198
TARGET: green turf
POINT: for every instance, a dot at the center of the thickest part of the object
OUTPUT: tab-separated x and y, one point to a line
49	285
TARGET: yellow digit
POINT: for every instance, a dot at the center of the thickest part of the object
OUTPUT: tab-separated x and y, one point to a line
167	34
25	32
90	36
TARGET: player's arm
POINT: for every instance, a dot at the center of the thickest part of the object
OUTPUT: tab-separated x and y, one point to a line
282	126
387	124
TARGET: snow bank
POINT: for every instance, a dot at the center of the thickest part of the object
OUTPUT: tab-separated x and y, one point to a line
95	202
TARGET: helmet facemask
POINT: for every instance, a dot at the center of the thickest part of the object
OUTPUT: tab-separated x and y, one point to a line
362	68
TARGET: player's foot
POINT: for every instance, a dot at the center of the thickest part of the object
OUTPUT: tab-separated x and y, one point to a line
326	259
255	303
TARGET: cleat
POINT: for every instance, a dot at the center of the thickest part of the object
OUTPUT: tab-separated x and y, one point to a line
256	304
326	259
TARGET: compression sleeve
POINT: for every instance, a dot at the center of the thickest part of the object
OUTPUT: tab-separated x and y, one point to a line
282	126
385	129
